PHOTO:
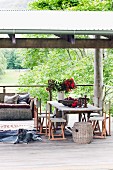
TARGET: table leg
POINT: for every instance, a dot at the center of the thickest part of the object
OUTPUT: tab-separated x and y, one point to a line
88	116
79	117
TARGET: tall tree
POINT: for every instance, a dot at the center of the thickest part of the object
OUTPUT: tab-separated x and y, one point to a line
13	59
3	63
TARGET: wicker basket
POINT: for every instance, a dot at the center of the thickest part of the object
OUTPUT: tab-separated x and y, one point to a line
82	132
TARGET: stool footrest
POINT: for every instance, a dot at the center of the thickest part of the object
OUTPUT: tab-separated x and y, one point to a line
57	120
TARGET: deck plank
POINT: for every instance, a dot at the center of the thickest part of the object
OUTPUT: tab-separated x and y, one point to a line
58	155
65	155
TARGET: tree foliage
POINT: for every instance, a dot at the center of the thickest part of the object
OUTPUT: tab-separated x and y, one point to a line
93	5
13	59
59	64
3	63
81	5
53	4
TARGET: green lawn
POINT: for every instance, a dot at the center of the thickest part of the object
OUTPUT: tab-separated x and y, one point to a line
11	77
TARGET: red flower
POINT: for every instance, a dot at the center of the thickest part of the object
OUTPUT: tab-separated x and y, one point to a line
67	85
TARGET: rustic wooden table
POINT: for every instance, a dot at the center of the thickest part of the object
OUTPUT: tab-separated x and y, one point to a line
76	110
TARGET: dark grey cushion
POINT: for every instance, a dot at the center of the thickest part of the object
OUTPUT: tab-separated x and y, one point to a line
23	98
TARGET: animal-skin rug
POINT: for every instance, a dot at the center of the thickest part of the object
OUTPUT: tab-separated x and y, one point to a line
15	125
9	132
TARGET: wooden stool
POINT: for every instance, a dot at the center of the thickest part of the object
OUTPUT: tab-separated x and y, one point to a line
98	133
53	130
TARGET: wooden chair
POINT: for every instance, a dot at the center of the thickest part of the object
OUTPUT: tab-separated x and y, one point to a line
98	133
39	117
97	119
94	113
106	108
56	128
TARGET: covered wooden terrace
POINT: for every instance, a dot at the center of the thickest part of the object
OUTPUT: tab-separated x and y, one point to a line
66	26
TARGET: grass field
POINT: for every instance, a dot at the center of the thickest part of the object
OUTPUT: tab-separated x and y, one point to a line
10	78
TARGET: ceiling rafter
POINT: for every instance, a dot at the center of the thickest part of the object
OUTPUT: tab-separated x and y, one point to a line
55	43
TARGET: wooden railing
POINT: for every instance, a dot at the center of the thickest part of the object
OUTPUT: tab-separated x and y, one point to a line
4	87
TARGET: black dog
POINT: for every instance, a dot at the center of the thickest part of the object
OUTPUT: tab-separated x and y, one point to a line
25	136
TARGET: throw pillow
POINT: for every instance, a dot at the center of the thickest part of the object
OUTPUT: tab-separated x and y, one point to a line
11	99
22	103
23	98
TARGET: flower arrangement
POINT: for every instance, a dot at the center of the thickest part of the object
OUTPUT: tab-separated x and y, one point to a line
66	85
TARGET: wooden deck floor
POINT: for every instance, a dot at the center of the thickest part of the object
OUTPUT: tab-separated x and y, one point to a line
58	155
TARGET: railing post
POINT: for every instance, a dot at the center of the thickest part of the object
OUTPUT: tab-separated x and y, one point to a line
50	94
50	98
4	90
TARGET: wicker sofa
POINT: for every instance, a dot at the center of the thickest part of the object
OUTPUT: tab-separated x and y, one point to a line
16	110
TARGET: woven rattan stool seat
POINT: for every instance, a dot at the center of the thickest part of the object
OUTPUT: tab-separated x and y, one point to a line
82	132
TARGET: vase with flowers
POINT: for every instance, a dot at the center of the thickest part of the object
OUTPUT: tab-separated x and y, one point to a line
64	86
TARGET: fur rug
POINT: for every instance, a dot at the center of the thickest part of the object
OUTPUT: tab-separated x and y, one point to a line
19	136
18	132
15	125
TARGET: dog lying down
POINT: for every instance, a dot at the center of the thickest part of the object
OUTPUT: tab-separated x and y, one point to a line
25	136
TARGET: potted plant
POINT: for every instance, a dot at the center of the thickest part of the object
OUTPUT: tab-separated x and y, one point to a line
62	86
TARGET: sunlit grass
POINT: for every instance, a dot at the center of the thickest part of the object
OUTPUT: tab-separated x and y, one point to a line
10	77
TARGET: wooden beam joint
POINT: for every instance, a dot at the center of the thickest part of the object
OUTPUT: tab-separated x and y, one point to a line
12	37
69	38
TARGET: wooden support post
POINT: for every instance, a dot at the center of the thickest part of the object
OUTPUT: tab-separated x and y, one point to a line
98	77
4	90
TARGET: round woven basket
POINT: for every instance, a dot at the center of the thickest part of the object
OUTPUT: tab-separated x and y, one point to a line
82	132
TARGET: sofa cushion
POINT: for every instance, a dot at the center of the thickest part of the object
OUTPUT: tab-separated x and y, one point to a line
15	113
6	105
23	98
11	99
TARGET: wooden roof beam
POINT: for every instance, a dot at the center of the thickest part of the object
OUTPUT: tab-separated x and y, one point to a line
55	43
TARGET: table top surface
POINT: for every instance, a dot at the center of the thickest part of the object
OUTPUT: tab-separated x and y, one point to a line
61	107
